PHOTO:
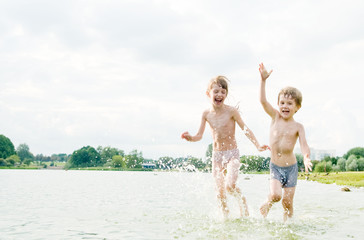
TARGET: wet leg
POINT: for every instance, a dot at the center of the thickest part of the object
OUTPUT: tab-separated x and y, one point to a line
274	196
287	202
232	177
218	174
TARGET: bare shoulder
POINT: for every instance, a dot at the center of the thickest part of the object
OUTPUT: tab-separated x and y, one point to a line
205	113
233	111
299	126
276	115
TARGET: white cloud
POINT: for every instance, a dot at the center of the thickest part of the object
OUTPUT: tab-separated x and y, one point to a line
133	74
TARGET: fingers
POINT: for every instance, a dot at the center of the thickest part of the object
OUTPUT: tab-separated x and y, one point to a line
263	148
183	135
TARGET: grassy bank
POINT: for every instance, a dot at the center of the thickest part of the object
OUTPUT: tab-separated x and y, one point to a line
355	179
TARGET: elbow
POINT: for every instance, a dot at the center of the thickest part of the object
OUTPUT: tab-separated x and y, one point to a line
197	138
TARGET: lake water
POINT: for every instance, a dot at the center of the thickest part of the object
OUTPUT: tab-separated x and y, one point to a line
50	204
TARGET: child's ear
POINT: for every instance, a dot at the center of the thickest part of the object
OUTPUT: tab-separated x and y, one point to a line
208	93
298	108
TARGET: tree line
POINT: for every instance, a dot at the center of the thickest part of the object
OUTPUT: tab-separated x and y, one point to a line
110	157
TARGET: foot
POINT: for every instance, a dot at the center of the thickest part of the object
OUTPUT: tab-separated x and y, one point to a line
264	209
244	208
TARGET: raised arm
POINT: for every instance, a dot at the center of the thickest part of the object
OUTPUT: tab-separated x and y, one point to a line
250	135
263	99
305	149
198	136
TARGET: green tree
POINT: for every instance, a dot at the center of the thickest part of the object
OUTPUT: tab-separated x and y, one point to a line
323	167
23	152
342	164
254	163
333	160
360	163
197	163
134	159
3	162
13	160
85	157
118	161
351	164
358	152
107	153
6	147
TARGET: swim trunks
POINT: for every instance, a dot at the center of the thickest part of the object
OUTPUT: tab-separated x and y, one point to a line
226	160
286	175
222	158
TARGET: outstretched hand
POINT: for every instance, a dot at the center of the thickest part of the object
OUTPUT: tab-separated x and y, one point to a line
186	135
307	162
263	72
262	148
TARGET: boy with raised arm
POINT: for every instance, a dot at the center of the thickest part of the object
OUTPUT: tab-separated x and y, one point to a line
225	158
284	131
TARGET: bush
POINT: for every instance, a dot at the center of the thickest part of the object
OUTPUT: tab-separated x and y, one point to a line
341	163
118	161
3	162
352	166
323	167
360	163
336	168
349	165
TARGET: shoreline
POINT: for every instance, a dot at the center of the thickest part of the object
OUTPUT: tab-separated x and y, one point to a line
353	179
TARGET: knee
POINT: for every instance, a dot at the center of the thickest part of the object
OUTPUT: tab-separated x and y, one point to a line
275	197
230	188
287	203
221	195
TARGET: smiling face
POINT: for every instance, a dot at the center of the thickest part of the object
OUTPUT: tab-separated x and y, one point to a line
217	94
287	106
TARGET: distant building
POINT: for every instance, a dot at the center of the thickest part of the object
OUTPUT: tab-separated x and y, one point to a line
148	165
318	154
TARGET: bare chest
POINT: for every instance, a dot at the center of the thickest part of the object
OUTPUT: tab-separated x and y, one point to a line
283	131
220	122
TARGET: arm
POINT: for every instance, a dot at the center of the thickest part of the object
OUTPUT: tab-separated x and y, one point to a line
250	135
198	136
305	149
263	100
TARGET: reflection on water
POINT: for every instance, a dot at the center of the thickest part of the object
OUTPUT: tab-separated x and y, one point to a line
44	204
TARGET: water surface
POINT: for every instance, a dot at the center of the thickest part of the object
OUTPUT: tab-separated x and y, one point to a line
46	204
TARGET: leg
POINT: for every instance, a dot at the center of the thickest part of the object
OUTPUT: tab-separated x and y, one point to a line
218	174
287	202
274	196
232	177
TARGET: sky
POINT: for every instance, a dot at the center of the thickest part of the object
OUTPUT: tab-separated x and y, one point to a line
133	74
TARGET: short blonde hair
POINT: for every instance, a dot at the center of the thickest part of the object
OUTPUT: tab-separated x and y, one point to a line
293	93
221	81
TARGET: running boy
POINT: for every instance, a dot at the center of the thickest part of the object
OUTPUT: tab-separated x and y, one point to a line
225	157
284	131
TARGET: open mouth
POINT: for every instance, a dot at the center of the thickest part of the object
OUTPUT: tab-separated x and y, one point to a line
218	101
285	111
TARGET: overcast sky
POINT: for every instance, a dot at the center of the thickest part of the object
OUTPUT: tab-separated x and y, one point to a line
133	74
